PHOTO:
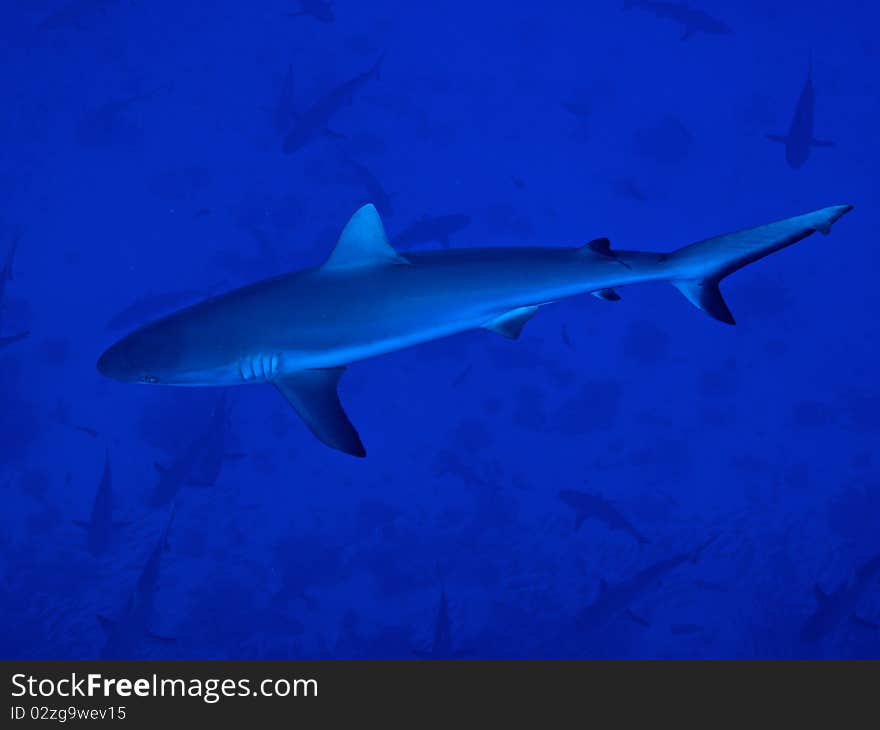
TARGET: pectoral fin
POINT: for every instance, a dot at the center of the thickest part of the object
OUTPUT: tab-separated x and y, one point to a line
510	324
312	393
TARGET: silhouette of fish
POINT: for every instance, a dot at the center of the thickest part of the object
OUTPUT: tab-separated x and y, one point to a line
314	120
692	20
595	506
320	10
799	140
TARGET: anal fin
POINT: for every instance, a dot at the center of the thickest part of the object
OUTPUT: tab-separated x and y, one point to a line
313	395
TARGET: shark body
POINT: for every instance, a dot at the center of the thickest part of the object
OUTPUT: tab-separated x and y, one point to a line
614	601
315	119
799	140
596	506
298	331
127	631
100	527
842	604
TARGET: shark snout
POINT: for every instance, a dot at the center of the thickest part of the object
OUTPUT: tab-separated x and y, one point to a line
115	364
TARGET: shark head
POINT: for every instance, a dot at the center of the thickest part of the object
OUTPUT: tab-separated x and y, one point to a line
152	354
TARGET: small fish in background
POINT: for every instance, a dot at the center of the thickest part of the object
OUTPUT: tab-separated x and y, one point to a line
692	20
6	276
431	229
151	306
442	646
595	506
667	142
107	125
375	192
320	10
284	113
518	182
314	121
176	475
87	431
628	188
578	108
615	601
126	633
799	140
566	338
685	629
709	586
11	340
462	376
76	14
834	608
6	273
215	446
100	527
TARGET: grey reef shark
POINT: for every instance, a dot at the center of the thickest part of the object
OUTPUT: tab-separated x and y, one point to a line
799	140
299	330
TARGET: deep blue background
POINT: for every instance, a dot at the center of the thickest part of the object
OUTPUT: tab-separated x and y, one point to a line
764	435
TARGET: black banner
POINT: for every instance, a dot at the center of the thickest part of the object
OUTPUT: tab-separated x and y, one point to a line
145	693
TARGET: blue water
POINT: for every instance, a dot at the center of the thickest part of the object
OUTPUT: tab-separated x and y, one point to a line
142	155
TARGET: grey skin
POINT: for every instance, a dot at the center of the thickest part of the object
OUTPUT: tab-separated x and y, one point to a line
148	307
799	140
126	633
595	506
693	20
841	605
314	120
615	601
100	528
431	229
298	331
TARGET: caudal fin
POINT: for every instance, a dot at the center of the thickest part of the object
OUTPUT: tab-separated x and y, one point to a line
696	270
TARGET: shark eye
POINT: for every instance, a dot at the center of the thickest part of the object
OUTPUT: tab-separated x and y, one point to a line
149	379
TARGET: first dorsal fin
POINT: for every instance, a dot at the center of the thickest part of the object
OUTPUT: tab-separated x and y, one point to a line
363	243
